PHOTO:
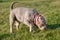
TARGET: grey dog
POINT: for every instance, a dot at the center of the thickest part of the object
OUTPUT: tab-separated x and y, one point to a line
28	16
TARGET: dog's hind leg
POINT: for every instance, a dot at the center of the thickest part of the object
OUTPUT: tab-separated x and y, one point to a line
17	25
11	23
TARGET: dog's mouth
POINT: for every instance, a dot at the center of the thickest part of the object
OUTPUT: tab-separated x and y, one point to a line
42	28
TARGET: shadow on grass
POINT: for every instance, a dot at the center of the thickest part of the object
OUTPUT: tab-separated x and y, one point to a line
50	27
3	36
3	1
7	36
54	26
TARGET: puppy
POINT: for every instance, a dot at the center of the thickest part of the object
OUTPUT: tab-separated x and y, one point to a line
28	16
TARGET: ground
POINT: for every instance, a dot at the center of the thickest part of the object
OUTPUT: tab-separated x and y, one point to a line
50	9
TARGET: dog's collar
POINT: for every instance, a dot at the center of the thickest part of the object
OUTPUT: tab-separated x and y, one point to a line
35	17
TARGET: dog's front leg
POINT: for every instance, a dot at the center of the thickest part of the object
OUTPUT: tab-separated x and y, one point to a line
31	28
30	24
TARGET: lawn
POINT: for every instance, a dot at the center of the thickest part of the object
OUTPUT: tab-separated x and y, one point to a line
50	9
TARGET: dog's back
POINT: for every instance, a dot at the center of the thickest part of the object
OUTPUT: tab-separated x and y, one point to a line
22	13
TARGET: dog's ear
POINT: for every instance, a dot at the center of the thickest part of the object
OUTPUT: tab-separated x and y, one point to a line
39	20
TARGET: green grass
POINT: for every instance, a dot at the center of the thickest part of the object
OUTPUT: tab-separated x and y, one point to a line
50	9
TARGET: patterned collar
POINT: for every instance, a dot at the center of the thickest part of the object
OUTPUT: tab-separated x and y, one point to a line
35	18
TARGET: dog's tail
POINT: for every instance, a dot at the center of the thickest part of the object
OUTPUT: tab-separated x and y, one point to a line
11	7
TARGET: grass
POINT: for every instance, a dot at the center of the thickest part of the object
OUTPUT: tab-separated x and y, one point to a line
50	9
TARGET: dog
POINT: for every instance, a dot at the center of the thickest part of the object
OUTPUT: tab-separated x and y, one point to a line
28	16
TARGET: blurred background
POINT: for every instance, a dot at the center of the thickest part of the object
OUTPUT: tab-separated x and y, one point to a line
50	9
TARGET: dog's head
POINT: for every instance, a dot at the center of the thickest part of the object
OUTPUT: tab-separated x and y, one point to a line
40	22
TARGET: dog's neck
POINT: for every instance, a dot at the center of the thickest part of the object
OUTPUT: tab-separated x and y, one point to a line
35	18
